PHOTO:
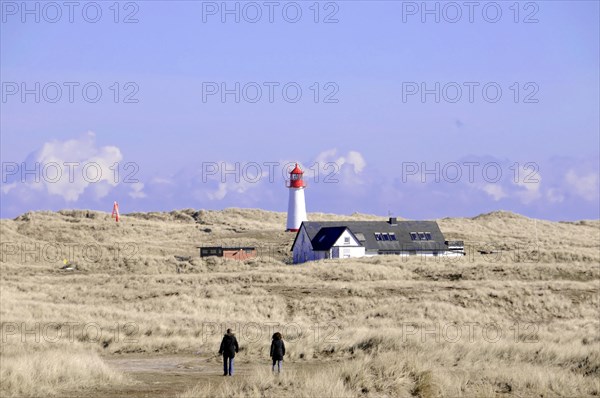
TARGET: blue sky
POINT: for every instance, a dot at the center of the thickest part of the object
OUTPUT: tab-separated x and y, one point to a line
370	132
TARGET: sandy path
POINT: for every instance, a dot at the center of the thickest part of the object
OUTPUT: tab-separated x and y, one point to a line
166	376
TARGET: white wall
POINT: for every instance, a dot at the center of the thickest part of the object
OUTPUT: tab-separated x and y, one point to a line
346	235
347	252
303	249
346	246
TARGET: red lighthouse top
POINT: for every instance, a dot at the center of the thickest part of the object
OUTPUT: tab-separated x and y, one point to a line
296	180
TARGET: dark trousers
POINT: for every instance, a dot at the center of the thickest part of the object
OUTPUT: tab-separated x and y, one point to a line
277	362
227	365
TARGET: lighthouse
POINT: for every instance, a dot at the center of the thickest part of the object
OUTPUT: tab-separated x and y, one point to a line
296	204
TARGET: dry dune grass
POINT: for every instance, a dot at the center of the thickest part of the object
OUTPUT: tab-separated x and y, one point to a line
522	322
45	371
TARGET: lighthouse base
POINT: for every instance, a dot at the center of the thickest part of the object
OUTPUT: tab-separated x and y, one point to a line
296	209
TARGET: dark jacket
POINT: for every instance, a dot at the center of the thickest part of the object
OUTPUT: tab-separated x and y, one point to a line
277	350
229	346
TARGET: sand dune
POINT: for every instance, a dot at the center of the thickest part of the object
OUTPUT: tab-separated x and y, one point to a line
383	326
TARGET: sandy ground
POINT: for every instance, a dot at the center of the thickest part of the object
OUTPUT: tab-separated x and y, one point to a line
168	375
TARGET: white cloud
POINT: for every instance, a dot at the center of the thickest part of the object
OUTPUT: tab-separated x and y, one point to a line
495	191
530	181
356	160
352	158
6	188
554	196
90	165
234	179
161	180
100	190
137	190
326	155
585	186
68	168
220	193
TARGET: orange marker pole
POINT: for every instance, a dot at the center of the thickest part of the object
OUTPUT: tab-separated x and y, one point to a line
115	212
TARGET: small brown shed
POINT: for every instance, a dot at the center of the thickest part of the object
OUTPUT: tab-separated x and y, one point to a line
236	253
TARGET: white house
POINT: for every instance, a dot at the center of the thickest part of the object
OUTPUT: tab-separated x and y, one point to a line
334	239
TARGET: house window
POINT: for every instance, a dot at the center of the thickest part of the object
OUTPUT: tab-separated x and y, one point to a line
347	240
378	236
392	236
420	236
385	236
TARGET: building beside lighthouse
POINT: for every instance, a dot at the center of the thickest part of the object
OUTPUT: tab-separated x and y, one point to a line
347	239
296	203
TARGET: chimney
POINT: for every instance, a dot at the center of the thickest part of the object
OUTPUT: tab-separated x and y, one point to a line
393	221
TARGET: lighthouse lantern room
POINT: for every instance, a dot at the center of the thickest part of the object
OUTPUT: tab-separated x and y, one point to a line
296	205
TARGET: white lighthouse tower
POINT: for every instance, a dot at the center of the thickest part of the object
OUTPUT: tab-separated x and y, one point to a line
296	204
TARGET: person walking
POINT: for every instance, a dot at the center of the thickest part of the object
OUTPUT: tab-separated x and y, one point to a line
277	351
229	347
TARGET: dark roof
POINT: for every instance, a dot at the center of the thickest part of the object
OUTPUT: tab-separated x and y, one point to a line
367	230
327	236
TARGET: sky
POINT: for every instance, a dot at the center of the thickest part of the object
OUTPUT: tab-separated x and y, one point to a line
420	110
